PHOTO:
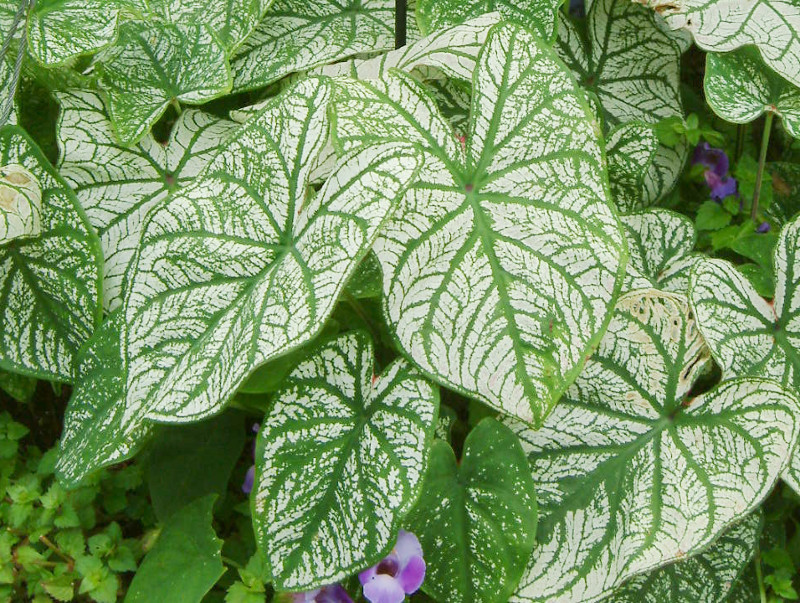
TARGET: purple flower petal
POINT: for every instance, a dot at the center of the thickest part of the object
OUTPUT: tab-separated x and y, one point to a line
308	596
763	227
333	594
714	159
407	546
412	575
249	480
720	187
368	574
384	589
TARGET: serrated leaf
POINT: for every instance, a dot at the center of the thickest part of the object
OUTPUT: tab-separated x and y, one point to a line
476	519
20	204
712	216
118	185
246	264
538	16
773	26
627	61
660	243
708	576
154	64
740	88
185	561
633	473
62	29
297	35
505	257
50	284
339	461
97	432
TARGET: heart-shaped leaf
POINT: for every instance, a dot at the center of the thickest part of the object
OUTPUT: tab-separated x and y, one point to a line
773	26
709	576
740	88
506	258
633	473
631	149
538	16
622	55
154	64
340	459
118	185
297	35
785	178
660	243
49	284
476	518
247	263
20	204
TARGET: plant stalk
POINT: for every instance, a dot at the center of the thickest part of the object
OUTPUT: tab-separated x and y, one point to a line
400	16
762	591
741	131
762	158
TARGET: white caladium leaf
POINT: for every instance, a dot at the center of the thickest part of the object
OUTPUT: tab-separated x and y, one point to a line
631	150
96	431
476	517
153	64
709	576
740	88
242	267
6	79
20	204
773	26
297	35
631	472
49	284
660	243
539	16
500	273
118	185
340	459
633	68
451	52
61	30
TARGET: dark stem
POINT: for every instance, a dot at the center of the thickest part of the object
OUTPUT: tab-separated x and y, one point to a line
762	158
762	591
400	17
741	130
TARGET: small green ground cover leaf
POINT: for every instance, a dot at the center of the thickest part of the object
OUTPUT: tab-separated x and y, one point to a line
340	460
476	519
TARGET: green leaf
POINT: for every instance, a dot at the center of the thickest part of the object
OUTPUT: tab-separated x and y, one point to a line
185	561
50	284
785	179
117	185
60	588
538	16
190	461
297	35
660	244
773	26
632	66
339	461
246	264
740	88
633	473
506	256
19	387
712	216
97	431
476	520
708	576
155	64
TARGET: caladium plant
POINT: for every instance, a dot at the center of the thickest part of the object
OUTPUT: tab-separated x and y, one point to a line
497	339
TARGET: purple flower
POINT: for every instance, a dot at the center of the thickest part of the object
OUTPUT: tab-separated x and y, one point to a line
716	174
250	476
763	227
398	574
333	593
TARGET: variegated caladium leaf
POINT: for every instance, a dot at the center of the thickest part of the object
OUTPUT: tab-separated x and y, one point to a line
537	15
506	258
243	266
20	204
339	461
49	284
739	88
785	178
631	150
97	432
477	517
118	185
6	79
631	471
660	243
708	576
154	64
633	68
297	35
773	26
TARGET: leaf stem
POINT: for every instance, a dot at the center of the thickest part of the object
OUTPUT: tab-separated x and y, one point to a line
400	16
177	105
64	557
762	158
231	562
741	130
762	591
